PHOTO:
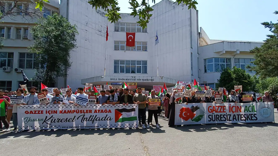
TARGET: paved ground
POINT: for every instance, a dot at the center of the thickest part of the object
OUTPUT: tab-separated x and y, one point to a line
235	139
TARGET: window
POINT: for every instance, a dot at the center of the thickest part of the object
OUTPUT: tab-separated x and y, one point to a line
242	63
2	32
25	33
129	27
46	12
130	66
27	61
18	33
9	33
26	9
6	85
29	84
121	45
19	9
216	64
6	59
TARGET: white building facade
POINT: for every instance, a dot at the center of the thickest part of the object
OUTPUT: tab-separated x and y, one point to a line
184	51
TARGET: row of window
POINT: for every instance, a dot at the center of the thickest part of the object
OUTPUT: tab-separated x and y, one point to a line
22	8
130	66
20	33
219	64
7	85
25	61
121	45
129	27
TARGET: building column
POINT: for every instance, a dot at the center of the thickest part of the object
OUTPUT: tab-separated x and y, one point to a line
15	65
22	33
30	36
6	33
12	32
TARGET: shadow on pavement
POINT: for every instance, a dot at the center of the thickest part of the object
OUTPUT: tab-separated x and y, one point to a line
206	128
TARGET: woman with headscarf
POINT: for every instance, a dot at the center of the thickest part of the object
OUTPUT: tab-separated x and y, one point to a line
172	103
166	101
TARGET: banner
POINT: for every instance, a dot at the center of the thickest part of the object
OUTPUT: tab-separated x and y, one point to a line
69	116
132	85
16	100
209	113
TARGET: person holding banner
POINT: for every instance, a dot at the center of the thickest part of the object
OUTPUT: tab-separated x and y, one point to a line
153	110
81	98
20	97
48	96
141	100
126	98
233	97
113	99
103	98
3	104
32	98
69	97
57	99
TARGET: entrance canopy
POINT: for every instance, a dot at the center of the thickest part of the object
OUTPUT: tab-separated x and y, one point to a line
142	81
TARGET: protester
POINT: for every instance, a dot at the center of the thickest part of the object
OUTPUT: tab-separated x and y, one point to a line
267	97
19	95
113	99
58	98
171	122
103	98
141	100
107	92
3	106
69	97
166	105
126	98
32	98
132	93
153	110
121	92
81	98
48	96
233	97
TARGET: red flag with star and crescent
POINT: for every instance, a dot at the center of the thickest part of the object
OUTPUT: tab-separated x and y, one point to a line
130	39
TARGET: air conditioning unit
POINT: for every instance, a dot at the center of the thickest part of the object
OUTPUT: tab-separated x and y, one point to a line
7	69
18	70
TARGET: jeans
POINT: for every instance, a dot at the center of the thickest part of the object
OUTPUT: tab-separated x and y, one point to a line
4	121
15	120
150	116
142	115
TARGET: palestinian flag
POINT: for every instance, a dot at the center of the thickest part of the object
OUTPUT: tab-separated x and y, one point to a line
124	85
2	108
178	100
123	115
224	95
188	86
75	92
96	91
165	88
205	87
238	91
259	99
160	91
196	85
68	86
43	86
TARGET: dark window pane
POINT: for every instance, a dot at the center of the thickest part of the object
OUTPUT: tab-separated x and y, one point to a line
122	69
210	68
3	55
127	62
228	66
116	69
11	55
144	69
222	60
29	64
9	83
210	60
3	63
216	60
116	61
138	62
122	62
132	62
29	56
216	67
127	69
2	84
133	69
21	63
10	63
228	60
144	63
138	69
21	55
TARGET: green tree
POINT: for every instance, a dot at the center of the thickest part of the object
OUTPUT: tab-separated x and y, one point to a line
236	76
266	56
54	38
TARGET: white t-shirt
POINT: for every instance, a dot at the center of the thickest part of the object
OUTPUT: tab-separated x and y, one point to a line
82	99
49	97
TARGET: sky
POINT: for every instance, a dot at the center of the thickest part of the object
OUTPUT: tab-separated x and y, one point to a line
231	19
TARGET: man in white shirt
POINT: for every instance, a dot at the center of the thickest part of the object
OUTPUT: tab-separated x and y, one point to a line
69	97
48	96
82	98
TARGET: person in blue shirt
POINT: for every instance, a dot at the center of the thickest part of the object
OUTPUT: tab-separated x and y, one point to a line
32	98
103	99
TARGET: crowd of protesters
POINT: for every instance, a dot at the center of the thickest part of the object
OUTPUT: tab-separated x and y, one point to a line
113	97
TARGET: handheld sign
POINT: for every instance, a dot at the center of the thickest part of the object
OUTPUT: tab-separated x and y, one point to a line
63	91
238	88
42	98
200	94
16	100
208	93
218	99
187	93
247	98
92	99
220	89
154	103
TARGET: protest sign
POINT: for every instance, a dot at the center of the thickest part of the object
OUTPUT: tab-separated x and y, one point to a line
16	100
63	91
92	99
187	93
238	88
200	94
42	98
157	88
208	93
247	98
107	87
218	98
132	85
50	90
24	87
154	104
220	89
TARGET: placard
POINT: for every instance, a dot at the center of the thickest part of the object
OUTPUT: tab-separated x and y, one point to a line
50	90
25	90
187	93
218	98
200	94
132	85
156	102
157	88
247	98
42	98
238	88
63	91
92	99
107	87
16	100
220	89
208	93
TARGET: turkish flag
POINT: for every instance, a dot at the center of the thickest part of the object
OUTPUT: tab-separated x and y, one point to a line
130	39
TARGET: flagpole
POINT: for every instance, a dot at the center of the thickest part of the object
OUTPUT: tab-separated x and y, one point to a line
104	72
